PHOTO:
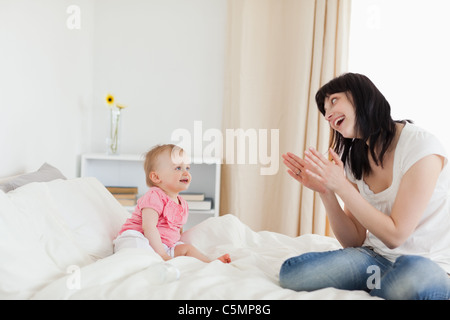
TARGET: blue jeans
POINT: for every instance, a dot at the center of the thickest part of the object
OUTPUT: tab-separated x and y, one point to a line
408	278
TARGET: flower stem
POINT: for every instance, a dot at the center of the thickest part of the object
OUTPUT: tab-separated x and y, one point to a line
114	132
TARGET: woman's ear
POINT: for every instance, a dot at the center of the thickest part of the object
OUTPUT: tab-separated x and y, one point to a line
154	177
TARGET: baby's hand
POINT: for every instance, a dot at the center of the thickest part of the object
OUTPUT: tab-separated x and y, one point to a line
166	257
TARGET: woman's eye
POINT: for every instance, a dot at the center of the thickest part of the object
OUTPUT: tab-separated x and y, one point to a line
333	100
178	168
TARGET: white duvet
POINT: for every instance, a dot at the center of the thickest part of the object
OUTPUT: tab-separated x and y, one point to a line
56	243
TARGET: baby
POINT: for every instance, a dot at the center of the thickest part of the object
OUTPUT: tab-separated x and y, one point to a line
160	214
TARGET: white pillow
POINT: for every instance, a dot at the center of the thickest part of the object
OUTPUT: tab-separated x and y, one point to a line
46	228
35	245
90	211
45	173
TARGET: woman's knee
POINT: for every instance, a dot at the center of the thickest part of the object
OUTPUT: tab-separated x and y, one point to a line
311	271
342	269
295	271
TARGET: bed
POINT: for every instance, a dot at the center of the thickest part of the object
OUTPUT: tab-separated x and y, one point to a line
56	243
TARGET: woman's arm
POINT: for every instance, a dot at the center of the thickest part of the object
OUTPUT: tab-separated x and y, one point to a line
348	231
149	222
346	228
414	194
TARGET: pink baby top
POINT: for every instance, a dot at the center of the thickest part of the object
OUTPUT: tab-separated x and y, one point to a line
172	215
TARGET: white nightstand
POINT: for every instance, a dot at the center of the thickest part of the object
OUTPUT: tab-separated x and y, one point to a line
127	170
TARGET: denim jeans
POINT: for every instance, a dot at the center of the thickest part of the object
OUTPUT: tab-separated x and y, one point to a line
408	278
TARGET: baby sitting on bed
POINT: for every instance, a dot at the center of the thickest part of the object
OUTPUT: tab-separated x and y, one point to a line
160	214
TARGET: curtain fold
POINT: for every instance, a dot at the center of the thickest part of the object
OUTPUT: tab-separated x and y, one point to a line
279	53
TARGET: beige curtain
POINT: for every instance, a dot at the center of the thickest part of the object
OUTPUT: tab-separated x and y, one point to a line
279	54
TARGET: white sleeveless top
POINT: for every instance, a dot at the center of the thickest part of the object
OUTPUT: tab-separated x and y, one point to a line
431	238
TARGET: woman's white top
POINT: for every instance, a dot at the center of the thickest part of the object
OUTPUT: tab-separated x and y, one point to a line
431	238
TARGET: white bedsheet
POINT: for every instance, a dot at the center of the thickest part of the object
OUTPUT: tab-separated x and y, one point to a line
56	243
253	273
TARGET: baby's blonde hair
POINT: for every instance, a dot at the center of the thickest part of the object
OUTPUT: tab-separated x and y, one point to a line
151	159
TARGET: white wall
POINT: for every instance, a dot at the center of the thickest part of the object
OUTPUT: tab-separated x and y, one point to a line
162	58
404	47
165	60
45	85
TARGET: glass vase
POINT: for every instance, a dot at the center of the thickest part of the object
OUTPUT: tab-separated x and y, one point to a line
113	140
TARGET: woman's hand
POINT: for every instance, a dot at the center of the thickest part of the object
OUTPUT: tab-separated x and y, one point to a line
297	170
330	174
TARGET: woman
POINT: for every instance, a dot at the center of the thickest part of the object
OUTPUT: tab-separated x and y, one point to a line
394	181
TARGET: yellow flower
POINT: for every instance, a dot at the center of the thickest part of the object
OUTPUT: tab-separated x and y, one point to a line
110	99
120	106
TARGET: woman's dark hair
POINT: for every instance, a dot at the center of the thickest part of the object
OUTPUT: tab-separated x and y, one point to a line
373	125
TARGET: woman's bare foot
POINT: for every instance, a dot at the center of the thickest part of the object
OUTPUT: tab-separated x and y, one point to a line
225	258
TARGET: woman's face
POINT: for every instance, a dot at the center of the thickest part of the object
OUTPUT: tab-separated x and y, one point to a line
340	113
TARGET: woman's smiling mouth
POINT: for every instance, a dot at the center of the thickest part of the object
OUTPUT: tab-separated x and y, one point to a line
338	121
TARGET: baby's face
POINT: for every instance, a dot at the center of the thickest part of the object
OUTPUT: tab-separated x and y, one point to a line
173	171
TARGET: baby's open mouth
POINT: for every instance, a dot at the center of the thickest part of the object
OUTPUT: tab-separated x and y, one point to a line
185	180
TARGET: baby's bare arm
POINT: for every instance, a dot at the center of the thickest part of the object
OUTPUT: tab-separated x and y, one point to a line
149	221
